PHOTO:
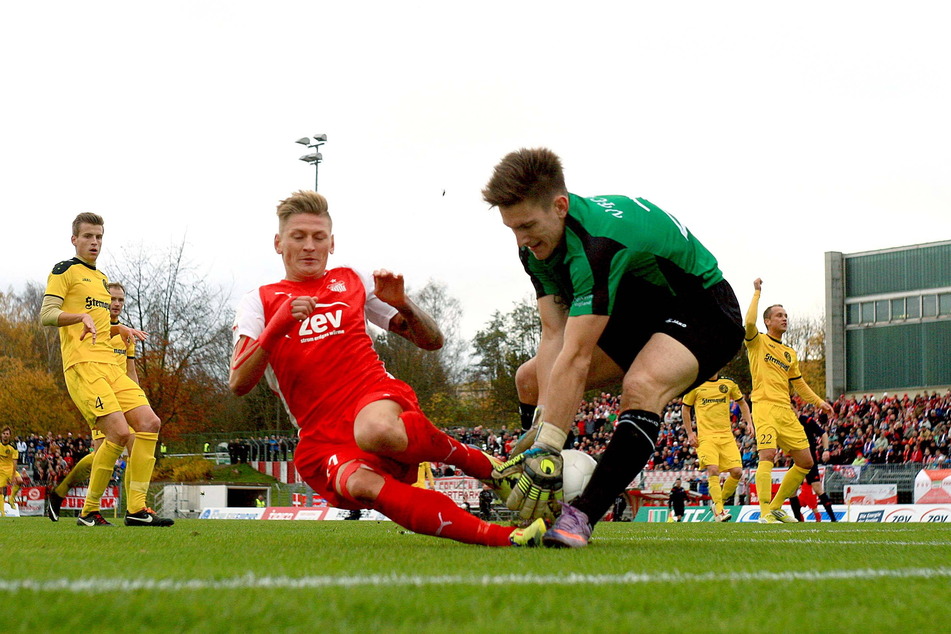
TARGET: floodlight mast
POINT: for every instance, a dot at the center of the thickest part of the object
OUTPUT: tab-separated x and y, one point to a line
315	158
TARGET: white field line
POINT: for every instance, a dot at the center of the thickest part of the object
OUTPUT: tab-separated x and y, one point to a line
826	541
97	585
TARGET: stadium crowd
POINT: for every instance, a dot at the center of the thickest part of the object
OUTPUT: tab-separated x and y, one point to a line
865	430
266	448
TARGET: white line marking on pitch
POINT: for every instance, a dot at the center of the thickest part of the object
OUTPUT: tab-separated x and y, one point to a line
101	586
780	540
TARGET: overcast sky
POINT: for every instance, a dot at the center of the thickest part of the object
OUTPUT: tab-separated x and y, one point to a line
774	131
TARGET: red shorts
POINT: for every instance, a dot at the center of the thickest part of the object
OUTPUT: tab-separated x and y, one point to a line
318	462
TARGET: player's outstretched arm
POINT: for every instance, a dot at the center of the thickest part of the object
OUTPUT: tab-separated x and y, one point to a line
410	322
750	322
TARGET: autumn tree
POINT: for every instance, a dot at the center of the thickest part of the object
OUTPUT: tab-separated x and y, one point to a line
507	341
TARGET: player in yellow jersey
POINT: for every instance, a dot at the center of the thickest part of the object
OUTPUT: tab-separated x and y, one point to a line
775	368
124	352
77	302
709	403
424	477
8	469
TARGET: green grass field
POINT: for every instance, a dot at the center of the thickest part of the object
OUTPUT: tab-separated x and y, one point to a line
300	576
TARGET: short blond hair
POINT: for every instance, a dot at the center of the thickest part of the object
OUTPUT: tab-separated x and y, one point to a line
89	219
302	202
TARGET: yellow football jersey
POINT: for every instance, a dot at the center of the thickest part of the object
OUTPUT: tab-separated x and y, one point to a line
83	290
8	459
773	365
711	407
122	351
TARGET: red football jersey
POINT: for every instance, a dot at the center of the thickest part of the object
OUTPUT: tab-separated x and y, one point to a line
327	362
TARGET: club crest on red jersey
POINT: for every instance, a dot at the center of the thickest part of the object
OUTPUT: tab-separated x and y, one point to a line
337	286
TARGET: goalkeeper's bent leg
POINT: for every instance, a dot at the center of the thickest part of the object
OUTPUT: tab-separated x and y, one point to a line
432	513
630	448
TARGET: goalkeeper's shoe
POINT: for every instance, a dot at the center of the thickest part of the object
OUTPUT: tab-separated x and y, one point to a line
53	503
570	530
531	535
783	516
146	517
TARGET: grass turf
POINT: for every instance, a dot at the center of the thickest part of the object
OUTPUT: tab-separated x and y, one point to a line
299	576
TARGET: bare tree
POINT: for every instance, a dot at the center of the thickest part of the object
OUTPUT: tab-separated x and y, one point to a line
183	366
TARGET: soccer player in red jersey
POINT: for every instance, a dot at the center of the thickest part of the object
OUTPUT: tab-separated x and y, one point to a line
362	433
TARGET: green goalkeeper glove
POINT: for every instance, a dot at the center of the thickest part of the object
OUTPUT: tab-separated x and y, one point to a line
538	491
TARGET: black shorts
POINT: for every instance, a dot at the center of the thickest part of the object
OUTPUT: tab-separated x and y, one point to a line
705	320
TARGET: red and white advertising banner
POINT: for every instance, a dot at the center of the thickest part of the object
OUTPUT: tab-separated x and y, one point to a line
300	499
282	470
933	486
32	500
289	513
865	494
461	489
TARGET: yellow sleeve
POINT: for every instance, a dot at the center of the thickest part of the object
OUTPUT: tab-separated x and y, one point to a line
802	389
750	323
735	392
690	398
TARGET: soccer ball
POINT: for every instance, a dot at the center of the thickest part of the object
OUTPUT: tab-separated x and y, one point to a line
577	470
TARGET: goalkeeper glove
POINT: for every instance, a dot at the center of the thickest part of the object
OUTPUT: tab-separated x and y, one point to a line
538	491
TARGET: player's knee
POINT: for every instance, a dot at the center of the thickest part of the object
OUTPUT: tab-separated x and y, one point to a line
641	391
713	471
119	437
360	484
380	434
526	382
805	462
768	455
736	472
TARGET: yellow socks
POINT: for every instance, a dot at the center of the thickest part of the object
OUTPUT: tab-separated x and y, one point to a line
764	485
141	463
104	461
729	487
791	482
79	472
716	494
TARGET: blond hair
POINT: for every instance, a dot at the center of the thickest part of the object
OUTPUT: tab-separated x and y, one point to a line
302	202
89	219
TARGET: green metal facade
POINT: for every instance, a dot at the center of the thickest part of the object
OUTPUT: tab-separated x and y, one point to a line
898	319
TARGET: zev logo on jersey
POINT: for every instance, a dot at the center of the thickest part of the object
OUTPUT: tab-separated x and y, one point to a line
321	323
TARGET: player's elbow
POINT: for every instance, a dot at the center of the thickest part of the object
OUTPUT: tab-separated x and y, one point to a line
238	384
432	342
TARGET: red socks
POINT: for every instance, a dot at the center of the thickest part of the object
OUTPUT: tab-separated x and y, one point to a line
432	513
429	444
